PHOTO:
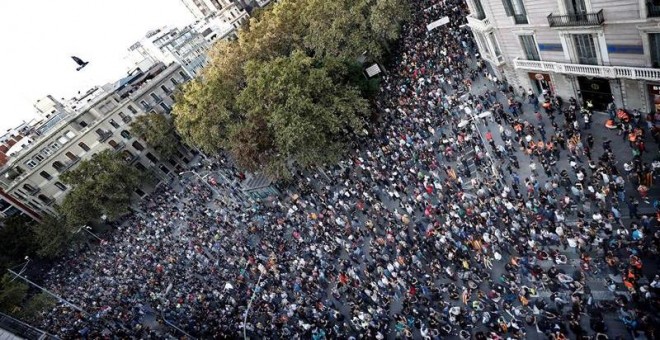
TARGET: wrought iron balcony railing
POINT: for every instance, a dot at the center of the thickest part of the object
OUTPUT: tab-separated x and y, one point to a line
578	19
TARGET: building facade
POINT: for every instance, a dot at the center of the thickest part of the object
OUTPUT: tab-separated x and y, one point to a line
98	120
597	50
185	46
232	12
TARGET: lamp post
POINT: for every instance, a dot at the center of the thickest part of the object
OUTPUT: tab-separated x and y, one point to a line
472	120
59	298
247	311
88	229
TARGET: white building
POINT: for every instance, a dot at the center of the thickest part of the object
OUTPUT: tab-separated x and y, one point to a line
229	11
593	49
186	46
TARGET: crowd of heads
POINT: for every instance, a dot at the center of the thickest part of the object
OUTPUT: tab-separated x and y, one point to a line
429	229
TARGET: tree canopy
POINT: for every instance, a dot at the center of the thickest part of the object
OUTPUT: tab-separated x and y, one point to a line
290	88
102	185
158	131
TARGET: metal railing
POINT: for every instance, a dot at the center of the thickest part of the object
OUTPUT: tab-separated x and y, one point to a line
577	19
652	74
22	329
68	165
653	10
104	136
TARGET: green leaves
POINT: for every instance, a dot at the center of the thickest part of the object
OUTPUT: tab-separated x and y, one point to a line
158	131
102	185
290	89
301	108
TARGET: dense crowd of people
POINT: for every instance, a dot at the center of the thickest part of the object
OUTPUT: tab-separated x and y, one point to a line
432	228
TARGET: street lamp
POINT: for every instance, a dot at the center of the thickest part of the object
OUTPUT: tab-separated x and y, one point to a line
88	229
247	311
59	298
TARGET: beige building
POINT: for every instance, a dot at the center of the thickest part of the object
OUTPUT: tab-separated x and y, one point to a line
595	49
97	121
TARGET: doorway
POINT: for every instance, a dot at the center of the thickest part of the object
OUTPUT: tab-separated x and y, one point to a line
597	90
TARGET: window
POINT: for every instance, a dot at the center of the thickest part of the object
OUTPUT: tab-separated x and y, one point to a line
126	134
70	134
515	9
57	165
576	7
31	163
82	123
71	156
654	43
83	146
174	81
46	175
60	186
165	107
140	167
122	116
54	146
479	10
497	53
183	75
132	109
63	140
145	105
585	49
38	157
28	188
155	97
529	47
138	146
152	157
114	124
44	199
165	89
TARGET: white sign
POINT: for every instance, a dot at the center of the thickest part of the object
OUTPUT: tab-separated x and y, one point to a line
437	23
372	70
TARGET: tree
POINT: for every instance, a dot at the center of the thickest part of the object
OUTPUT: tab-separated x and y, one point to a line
304	115
12	293
52	235
386	18
36	305
102	185
18	240
158	131
339	28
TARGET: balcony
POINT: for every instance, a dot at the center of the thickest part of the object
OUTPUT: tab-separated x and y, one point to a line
104	136
520	19
653	10
636	73
68	165
572	20
481	25
119	146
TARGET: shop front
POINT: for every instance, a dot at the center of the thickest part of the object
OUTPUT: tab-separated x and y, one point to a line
654	98
542	83
596	90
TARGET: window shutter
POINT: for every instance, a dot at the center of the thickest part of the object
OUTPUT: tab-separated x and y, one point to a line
508	7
